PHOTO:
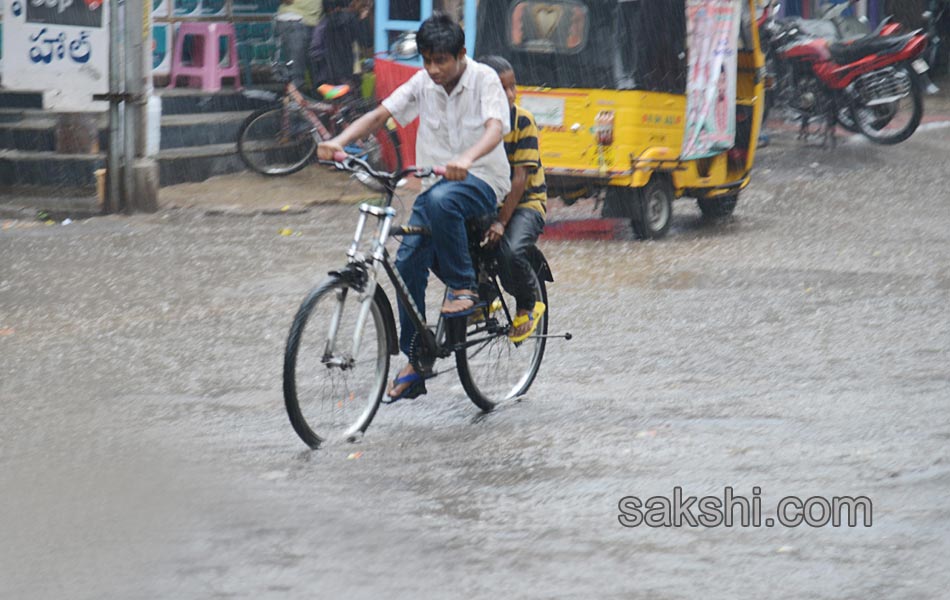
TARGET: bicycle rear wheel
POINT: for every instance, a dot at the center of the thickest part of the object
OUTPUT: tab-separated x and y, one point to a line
330	391
494	369
277	140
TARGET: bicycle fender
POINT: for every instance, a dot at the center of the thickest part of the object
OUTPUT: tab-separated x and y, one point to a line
539	263
387	309
357	278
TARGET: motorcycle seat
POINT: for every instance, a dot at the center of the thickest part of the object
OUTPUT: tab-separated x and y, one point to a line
849	52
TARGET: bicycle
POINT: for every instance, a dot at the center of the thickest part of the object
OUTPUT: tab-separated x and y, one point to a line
336	371
282	139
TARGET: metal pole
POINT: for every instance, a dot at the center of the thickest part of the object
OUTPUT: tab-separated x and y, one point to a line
135	73
141	174
131	31
113	201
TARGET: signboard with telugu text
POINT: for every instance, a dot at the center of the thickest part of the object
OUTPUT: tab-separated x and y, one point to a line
58	47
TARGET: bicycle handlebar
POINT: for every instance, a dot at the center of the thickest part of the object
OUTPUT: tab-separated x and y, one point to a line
342	160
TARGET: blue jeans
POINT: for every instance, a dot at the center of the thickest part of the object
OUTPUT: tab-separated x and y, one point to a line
443	209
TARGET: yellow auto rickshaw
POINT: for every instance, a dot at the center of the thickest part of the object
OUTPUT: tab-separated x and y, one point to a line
646	100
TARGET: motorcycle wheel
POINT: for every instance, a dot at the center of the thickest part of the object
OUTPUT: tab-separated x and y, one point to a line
846	120
893	122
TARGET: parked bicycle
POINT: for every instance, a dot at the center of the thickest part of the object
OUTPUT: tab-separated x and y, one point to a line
282	139
336	362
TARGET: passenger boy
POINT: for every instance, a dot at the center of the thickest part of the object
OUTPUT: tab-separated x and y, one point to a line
521	217
463	117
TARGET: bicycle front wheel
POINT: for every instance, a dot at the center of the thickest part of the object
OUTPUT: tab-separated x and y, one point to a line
277	140
334	375
492	368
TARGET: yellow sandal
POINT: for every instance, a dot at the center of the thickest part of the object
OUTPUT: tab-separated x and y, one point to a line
534	317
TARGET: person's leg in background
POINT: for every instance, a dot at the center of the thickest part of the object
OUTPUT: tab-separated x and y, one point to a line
295	42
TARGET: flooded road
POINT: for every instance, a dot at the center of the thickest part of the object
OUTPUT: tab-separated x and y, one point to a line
800	348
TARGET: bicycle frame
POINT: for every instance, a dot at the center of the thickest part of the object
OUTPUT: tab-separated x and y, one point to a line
293	98
362	272
364	269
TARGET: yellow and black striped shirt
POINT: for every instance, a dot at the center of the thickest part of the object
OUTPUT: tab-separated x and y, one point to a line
522	148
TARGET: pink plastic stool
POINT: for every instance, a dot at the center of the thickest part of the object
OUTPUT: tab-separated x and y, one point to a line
205	70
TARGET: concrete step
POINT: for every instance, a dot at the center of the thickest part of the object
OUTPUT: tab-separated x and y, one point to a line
36	133
190	130
175	101
181	165
18	115
15	115
186	101
28	136
42	202
18	167
198	139
18	99
68	171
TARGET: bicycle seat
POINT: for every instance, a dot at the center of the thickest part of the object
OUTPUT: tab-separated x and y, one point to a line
332	92
476	227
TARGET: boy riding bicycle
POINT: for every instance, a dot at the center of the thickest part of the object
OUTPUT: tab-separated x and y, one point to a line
521	217
463	117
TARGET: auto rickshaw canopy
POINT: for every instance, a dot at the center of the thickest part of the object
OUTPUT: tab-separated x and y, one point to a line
593	44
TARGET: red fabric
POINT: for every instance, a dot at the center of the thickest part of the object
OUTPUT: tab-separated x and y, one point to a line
389	76
585	229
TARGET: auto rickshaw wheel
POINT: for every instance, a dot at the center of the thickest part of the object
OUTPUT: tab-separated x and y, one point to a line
651	220
719	207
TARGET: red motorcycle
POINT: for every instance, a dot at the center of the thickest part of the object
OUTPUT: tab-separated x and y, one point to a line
871	84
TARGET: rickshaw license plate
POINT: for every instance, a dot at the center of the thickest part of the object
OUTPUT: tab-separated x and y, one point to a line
920	65
547	111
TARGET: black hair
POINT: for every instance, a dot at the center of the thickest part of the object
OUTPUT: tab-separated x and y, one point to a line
440	33
332	5
501	65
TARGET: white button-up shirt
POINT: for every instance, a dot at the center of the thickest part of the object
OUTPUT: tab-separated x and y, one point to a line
451	124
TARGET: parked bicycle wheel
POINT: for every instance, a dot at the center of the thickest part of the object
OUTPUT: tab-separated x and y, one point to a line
331	388
277	140
494	369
